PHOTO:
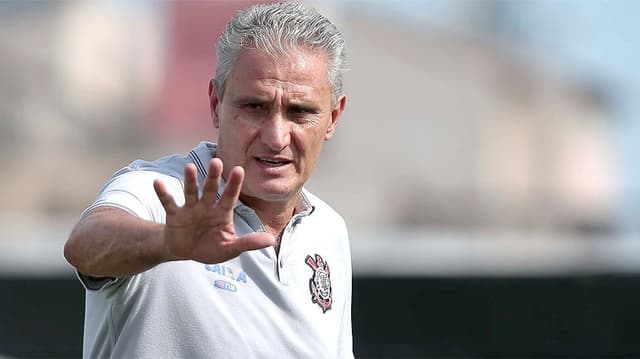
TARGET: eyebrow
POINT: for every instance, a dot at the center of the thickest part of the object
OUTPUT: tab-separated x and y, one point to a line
250	98
293	104
304	106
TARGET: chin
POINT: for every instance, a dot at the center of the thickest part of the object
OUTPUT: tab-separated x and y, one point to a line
273	192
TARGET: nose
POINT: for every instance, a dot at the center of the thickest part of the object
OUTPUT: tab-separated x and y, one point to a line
275	132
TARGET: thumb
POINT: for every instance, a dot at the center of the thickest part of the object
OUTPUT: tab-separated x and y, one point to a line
252	241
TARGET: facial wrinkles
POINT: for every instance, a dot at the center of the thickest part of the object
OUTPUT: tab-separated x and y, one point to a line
287	95
295	80
285	90
282	87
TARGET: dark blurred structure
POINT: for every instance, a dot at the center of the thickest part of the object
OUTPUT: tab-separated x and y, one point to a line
394	317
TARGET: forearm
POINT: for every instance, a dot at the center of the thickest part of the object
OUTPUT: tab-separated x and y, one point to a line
109	242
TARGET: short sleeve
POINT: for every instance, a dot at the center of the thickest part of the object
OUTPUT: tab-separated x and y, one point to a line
132	191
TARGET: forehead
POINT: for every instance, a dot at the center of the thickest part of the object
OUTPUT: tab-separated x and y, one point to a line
297	68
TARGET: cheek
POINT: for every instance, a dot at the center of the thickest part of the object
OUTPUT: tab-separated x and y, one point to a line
308	146
234	136
236	128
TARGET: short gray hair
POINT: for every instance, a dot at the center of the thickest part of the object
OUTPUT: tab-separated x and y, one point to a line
276	29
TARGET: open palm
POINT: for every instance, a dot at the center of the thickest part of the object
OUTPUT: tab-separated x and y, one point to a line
203	228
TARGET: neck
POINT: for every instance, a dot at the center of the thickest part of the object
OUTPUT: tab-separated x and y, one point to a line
274	214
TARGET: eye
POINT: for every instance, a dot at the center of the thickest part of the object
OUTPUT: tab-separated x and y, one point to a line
254	106
303	114
303	110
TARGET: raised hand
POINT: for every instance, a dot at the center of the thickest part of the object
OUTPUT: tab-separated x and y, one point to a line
203	229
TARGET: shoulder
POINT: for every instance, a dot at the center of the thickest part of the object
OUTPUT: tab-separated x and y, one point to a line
324	212
131	188
172	165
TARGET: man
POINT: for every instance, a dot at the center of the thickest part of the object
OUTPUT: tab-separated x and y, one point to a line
222	253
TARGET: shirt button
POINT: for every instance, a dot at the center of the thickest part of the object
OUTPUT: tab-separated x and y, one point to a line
281	263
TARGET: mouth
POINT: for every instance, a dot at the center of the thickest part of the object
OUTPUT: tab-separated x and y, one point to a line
273	161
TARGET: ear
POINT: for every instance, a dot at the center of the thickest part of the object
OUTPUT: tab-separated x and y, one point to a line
335	116
214	101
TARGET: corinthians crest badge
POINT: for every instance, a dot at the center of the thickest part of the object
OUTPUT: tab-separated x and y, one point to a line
320	282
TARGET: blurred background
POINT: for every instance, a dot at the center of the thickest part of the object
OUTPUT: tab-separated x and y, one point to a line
487	163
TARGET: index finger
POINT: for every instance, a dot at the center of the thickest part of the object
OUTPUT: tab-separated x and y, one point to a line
165	197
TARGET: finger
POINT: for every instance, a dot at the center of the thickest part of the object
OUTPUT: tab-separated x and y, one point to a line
190	185
252	241
232	188
165	198
212	182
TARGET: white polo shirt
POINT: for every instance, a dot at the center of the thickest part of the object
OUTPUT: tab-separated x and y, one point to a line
296	304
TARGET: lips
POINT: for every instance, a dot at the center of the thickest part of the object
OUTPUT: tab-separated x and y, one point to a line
273	161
